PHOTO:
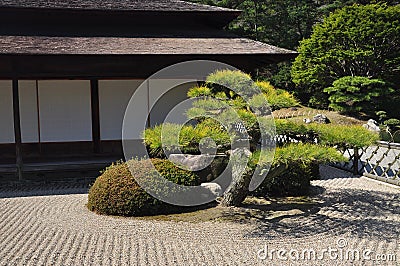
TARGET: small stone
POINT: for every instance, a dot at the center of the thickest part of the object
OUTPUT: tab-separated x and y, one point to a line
214	188
307	120
372	125
321	119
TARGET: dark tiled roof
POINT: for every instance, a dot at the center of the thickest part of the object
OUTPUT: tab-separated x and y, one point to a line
41	45
140	5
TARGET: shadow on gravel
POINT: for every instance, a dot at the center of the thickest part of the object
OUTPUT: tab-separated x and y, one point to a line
362	213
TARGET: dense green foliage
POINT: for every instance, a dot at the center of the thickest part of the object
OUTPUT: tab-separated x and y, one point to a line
291	128
277	98
357	40
338	38
344	135
393	124
283	23
301	165
306	153
165	137
299	161
327	134
294	181
116	191
234	99
355	94
216	101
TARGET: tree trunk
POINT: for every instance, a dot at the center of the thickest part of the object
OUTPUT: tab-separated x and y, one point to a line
239	187
238	190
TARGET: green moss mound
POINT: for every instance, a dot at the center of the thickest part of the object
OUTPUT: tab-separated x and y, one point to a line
116	191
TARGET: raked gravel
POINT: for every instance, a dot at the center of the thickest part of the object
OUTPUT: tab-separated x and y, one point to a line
352	213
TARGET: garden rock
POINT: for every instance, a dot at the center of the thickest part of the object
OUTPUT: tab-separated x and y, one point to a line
213	188
191	162
321	119
372	125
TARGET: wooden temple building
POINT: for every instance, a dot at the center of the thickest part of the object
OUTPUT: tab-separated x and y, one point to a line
69	67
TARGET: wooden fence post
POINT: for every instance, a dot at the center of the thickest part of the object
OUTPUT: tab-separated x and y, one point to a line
355	161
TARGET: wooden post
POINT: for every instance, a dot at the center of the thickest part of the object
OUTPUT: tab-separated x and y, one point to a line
17	129
38	117
148	103
355	161
94	88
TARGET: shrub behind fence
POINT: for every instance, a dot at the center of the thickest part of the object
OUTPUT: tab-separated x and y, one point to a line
380	161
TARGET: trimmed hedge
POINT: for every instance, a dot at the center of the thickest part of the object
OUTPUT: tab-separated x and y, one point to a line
116	191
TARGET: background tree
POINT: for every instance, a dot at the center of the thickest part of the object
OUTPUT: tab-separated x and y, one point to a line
354	41
283	23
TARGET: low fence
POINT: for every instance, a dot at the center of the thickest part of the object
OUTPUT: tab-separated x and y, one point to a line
381	161
290	113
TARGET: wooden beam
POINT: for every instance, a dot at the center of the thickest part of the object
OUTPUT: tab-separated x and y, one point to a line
113	66
95	103
17	129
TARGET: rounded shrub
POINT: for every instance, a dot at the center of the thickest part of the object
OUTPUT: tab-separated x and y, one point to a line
294	181
352	94
293	167
393	124
116	191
